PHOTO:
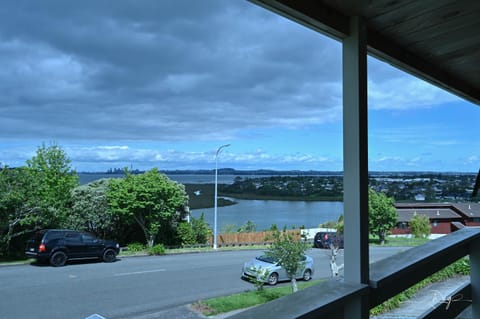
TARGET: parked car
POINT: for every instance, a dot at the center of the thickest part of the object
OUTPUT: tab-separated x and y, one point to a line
325	239
272	273
58	246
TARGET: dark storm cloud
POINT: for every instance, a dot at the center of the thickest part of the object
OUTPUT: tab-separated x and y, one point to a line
159	70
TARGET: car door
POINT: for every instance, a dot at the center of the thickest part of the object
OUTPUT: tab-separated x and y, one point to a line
74	245
93	246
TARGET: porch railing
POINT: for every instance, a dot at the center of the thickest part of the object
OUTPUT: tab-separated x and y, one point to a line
388	277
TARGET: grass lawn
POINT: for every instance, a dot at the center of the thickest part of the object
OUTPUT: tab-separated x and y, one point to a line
246	299
399	241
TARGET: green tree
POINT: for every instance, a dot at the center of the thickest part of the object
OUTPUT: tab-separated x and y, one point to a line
201	230
90	211
36	195
156	203
420	226
17	207
248	227
185	233
382	214
53	180
288	250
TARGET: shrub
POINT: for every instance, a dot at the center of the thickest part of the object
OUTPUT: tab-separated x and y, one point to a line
201	230
156	250
420	226
135	247
185	234
259	280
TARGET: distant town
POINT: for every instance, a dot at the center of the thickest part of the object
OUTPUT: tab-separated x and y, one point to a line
328	185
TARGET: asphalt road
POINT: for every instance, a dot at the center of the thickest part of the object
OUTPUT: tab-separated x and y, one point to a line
132	286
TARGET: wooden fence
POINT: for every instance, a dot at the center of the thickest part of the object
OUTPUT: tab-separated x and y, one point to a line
264	237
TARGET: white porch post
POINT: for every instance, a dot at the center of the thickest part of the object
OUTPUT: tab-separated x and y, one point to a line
355	157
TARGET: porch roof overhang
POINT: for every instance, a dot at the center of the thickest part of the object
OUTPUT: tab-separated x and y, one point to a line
435	40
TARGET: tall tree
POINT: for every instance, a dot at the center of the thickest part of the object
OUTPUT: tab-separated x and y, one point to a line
288	250
36	195
17	207
156	203
53	179
90	211
382	214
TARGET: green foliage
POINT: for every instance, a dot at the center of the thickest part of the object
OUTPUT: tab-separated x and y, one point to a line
283	187
288	250
156	250
248	227
261	275
382	214
201	230
53	179
185	234
329	224
36	195
135	247
340	225
337	225
420	226
90	211
156	203
243	300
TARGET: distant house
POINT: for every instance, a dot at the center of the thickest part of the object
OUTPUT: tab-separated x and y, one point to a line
444	217
420	197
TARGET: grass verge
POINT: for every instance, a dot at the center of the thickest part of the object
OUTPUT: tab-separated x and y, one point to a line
215	306
399	241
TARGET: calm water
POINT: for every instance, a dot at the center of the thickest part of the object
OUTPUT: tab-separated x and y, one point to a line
264	213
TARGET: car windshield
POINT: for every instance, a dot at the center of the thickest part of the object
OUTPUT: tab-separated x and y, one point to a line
266	259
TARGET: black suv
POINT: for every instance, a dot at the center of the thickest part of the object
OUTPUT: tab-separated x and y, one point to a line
59	245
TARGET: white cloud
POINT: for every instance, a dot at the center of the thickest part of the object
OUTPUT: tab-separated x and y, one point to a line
392	89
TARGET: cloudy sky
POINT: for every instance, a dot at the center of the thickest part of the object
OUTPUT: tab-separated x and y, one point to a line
165	83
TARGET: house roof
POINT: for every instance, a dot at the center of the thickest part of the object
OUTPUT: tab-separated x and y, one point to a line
436	40
438	210
471	210
405	215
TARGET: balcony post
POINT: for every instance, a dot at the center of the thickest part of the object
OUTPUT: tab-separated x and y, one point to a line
355	159
475	278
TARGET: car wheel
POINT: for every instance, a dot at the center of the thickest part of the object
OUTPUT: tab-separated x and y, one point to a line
109	255
273	279
58	259
307	275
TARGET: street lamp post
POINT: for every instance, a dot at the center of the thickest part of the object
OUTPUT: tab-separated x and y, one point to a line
215	199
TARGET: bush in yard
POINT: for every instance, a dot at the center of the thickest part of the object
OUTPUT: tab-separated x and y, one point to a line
261	276
156	250
201	230
185	234
420	226
135	247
